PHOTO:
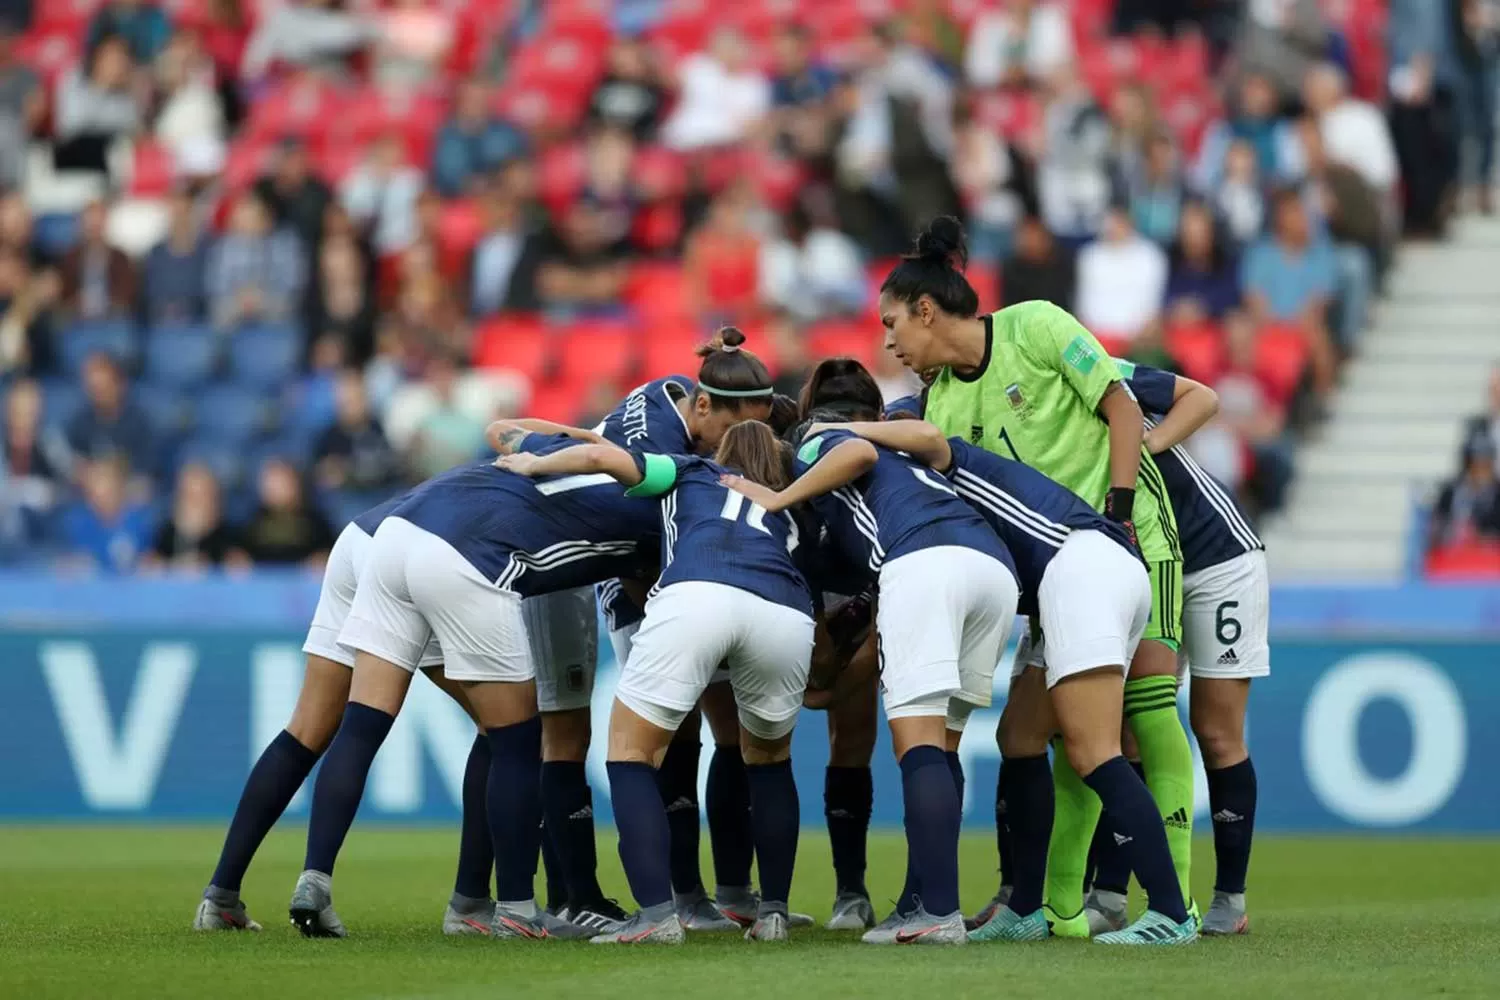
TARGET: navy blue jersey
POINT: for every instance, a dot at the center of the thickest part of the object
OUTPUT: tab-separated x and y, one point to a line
533	536
1213	527
911	405
1032	514
370	519
712	534
898	507
646	420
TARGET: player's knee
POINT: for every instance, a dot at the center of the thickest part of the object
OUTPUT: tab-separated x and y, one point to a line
1020	737
763	740
314	729
565	735
1220	738
1087	754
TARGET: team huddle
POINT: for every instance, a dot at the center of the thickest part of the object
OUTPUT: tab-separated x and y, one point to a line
753	555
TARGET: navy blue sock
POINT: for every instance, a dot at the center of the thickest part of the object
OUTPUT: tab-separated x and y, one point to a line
1231	803
1109	864
1030	801
645	835
911	888
341	783
513	799
727	802
678	784
848	798
775	816
476	851
552	869
1130	809
569	810
1004	839
273	781
932	820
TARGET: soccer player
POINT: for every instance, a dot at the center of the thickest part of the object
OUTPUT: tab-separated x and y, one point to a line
1031	383
1084	584
453	560
1225	627
730	592
946	599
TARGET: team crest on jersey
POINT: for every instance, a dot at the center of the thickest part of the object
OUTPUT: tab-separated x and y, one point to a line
1014	395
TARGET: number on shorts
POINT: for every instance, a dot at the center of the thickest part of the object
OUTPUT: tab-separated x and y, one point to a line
1010	447
1226	629
756	518
930	478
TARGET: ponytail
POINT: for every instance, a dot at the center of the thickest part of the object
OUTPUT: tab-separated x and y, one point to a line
934	268
842	385
731	376
752	449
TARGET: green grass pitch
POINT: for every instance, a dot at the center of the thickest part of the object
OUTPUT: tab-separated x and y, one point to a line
104	912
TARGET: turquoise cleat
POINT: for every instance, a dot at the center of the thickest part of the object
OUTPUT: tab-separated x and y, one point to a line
1007	925
1153	929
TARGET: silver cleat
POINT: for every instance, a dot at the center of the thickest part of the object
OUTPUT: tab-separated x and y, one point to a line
1226	915
851	912
311	908
466	917
640	929
697	912
220	910
771	927
922	927
885	932
1106	911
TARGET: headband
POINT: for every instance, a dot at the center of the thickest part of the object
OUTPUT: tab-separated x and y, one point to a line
712	391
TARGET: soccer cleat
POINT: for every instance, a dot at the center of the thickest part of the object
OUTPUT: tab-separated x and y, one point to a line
539	925
1075	926
922	927
1226	915
981	918
465	917
1008	925
599	917
851	912
311	908
220	910
771	927
640	929
885	931
742	905
1106	911
1153	929
698	913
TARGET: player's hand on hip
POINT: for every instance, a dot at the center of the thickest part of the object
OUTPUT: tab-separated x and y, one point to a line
755	492
520	463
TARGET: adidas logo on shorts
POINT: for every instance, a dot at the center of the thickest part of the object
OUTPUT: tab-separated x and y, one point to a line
1178	819
1229	659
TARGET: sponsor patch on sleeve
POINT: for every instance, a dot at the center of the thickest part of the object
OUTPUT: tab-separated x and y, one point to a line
1081	355
808	453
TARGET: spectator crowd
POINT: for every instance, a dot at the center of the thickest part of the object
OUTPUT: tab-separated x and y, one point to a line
263	264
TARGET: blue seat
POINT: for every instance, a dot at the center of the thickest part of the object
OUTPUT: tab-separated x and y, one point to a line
233	414
55	233
61	400
224	461
181	356
115	337
265	356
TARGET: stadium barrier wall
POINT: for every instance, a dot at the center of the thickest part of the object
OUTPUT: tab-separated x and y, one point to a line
150	700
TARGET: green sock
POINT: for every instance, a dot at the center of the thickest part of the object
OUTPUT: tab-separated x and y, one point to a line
1151	712
1074	818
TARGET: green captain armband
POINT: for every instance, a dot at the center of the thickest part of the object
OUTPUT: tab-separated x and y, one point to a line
658	474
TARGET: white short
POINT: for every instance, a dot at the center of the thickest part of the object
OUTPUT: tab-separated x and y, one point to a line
1094	603
942	620
692	627
620	640
564	632
1226	611
340	580
415	586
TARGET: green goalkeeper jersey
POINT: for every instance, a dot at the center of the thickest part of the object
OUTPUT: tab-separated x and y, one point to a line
1035	398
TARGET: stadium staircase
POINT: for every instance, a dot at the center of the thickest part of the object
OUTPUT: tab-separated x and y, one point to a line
1396	420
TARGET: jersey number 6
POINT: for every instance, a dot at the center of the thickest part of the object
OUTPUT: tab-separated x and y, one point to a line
735	502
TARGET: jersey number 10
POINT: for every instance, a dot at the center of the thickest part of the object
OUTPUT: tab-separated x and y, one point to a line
734	503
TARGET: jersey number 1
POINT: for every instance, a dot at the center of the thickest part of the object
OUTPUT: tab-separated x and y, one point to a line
1005	440
736	502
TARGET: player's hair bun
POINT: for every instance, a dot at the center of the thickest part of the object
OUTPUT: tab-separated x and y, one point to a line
729	339
943	241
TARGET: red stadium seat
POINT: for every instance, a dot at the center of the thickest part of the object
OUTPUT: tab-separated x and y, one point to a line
376	111
657	291
459	227
1281	359
657	227
1199	349
50	54
520	343
597	350
64	17
668	350
560	176
246	160
659	173
845	338
558	403
154	170
303	106
1465	561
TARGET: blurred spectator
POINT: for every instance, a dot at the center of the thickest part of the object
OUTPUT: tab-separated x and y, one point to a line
176	271
1486	425
225	31
597	402
414	37
284	530
1354	132
721	96
721	262
894	378
1134	119
1351	211
798	79
1157	193
98	280
580	269
793	362
813	271
630	95
16	230
1203	282
340	304
23	108
1122	277
1252	407
25	318
1423	81
1074	187
1240	198
110	425
474	142
193	537
105	531
96	104
503	270
306	34
381	195
35	464
446	434
254	272
608	154
1281	39
190	109
295	196
930	26
1290	277
1020	42
1254	119
143	26
1468	506
990	175
1040	269
1476	38
354	454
